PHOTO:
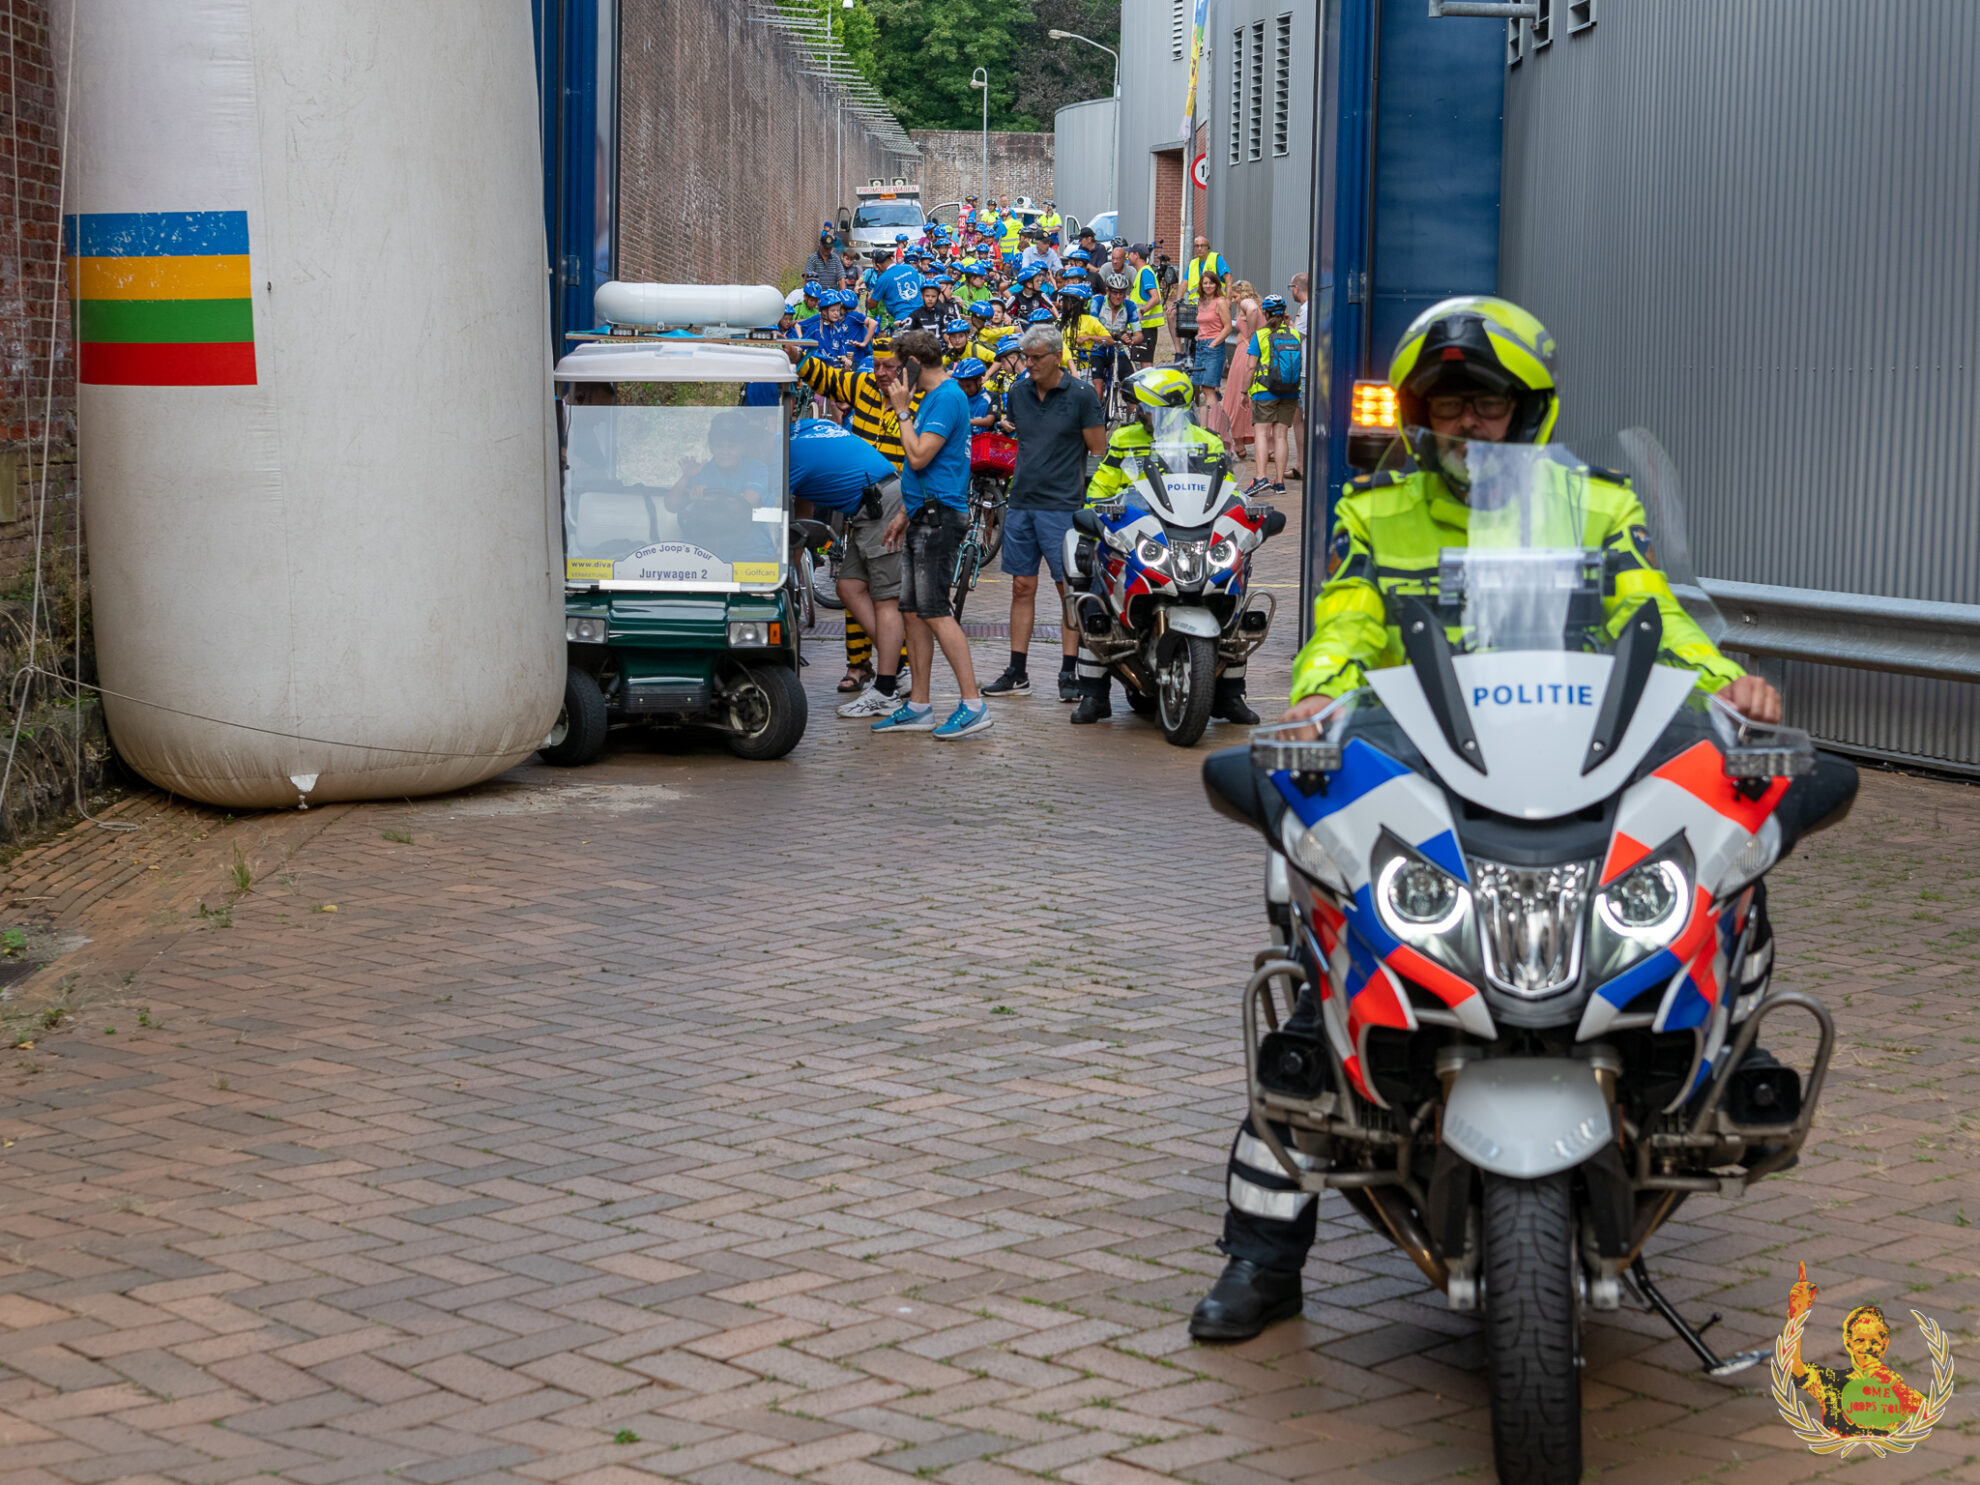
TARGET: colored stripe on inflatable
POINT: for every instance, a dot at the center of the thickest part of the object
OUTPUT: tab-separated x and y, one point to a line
162	298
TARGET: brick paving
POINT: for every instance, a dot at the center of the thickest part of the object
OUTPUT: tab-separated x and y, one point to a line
854	1119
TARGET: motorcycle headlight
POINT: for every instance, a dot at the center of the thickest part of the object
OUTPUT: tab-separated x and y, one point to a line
1152	553
1530	924
1641	911
1223	552
1424	906
1186	557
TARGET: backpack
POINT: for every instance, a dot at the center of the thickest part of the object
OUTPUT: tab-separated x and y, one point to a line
1283	364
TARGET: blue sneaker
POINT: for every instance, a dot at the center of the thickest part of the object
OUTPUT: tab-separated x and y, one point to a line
965	721
907	717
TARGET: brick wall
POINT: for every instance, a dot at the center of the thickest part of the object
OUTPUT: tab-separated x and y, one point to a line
951	165
1168	199
727	152
37	422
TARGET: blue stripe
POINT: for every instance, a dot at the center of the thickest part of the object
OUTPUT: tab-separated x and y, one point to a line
1631	983
1363	770
1442	848
1364	925
1688	1008
154	234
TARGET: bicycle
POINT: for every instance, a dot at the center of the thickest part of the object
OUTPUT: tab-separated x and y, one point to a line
825	565
1116	406
983	538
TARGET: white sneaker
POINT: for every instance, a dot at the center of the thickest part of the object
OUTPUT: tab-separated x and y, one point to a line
869	703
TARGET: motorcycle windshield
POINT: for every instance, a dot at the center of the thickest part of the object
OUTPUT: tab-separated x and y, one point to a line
1548	559
1182	471
1511	647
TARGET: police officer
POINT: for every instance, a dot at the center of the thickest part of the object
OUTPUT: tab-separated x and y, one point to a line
1161	396
1468	369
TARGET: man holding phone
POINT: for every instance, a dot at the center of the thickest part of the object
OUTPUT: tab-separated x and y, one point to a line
934	515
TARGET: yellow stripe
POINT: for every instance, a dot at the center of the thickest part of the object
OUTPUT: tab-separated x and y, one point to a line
217	277
1355	598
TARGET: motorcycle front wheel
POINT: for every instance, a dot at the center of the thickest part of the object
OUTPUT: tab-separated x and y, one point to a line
1185	686
1533	1329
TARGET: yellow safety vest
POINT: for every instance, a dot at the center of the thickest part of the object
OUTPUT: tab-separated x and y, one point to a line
1217	266
1145	292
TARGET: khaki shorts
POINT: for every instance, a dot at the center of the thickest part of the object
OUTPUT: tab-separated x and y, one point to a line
1285	410
867	559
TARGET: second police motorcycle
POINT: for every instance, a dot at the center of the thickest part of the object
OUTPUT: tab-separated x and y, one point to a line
1159	574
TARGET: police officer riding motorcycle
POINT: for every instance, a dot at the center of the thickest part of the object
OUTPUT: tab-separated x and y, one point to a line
1469	371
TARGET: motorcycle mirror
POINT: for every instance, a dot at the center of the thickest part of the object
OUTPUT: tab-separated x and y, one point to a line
1275	523
1086	521
1232	784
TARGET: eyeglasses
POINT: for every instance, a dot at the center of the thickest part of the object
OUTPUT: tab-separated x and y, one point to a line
1487	405
1040	355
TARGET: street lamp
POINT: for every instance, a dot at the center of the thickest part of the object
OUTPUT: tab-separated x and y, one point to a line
981	79
1114	163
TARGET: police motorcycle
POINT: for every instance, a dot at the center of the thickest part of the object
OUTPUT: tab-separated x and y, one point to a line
1520	972
1160	586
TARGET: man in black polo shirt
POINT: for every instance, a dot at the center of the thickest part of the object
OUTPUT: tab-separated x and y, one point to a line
1059	423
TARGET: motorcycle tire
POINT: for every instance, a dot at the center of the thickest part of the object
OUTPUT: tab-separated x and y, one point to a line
1185	689
578	735
1533	1329
768	705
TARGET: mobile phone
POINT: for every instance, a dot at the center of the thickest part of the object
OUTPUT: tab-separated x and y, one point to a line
911	372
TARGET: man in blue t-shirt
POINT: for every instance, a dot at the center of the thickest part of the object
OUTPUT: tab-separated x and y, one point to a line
935	514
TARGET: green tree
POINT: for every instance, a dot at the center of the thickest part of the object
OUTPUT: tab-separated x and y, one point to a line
926	50
1050	74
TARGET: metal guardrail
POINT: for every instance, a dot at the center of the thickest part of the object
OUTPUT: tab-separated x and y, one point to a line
1903	636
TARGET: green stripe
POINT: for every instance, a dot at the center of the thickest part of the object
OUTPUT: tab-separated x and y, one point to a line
165	321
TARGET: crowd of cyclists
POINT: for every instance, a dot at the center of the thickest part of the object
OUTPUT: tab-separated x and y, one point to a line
978	286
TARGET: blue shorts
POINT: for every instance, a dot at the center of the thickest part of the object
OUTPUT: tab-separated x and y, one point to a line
1210	364
1029	534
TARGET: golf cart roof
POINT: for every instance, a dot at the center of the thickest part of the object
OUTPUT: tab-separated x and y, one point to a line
653	360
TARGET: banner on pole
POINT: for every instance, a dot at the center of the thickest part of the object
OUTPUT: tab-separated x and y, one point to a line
1200	20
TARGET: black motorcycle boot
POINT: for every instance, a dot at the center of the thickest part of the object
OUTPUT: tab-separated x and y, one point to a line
1227	704
1093	703
1244	1300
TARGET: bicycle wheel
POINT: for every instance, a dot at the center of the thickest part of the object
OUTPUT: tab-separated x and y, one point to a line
805	595
824	580
969	562
993	530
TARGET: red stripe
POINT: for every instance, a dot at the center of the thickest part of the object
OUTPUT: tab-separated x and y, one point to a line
1452	990
218	364
1699	771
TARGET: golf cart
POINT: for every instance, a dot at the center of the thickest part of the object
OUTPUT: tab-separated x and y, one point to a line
678	609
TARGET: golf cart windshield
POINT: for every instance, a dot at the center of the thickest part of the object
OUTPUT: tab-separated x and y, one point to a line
675	497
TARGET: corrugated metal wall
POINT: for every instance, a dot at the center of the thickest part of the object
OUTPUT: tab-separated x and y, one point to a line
1260	201
1754	228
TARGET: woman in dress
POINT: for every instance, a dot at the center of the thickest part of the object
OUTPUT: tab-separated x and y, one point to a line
1246	318
1213	326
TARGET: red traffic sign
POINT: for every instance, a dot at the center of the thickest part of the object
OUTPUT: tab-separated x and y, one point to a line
1199	171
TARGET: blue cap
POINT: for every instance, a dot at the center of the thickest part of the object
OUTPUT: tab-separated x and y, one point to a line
1075	291
1026	275
1079	255
968	367
811	289
900	237
982	309
1073	270
1040	317
1273	304
956	327
1010	343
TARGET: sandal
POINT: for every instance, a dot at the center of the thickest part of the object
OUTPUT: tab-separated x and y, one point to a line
856	678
